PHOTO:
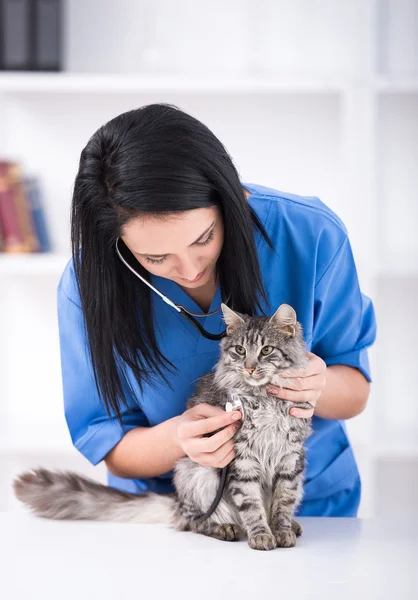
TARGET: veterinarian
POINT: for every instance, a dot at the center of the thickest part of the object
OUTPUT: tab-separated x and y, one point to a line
157	194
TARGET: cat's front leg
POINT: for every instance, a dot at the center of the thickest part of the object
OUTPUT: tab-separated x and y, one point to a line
245	491
287	491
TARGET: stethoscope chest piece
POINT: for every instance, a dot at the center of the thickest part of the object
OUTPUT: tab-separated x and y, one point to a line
234	402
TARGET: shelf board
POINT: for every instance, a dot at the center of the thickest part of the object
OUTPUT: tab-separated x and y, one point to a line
50	439
395	85
394	267
401	265
49	263
389	448
54	263
35	449
392	449
117	84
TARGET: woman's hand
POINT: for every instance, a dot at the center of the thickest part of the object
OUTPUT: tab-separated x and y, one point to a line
302	386
198	421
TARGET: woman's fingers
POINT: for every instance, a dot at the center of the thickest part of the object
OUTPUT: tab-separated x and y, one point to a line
205	425
211	444
302	413
230	456
220	458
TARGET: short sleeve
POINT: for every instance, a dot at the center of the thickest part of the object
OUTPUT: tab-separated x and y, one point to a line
344	318
92	431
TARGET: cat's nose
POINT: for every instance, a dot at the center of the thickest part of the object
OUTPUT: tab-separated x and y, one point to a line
250	370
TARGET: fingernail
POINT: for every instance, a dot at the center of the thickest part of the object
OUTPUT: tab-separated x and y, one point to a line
236	416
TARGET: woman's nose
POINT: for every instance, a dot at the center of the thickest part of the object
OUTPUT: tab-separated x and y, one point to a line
188	270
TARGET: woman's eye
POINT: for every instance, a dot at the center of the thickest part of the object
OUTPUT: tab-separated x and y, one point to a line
207	241
240	350
155	262
267	350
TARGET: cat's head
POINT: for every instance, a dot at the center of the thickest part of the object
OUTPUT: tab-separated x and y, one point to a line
256	349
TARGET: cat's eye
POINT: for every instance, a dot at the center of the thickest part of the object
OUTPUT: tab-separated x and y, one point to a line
267	350
240	350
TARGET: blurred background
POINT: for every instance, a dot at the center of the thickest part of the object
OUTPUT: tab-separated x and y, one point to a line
313	97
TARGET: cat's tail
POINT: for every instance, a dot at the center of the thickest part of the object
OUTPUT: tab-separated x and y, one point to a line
66	495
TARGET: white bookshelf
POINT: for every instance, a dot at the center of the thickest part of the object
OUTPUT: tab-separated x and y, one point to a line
113	83
49	263
80	83
346	131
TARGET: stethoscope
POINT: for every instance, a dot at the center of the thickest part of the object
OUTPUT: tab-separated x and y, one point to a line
189	316
211	336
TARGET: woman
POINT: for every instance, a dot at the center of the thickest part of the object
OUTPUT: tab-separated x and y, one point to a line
157	185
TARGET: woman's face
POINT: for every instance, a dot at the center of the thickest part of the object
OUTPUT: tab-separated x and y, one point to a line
179	247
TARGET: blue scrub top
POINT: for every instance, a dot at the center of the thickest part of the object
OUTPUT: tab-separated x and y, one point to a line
311	268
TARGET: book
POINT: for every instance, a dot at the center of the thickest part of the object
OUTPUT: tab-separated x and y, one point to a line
23	227
1	239
33	196
31	35
12	236
26	225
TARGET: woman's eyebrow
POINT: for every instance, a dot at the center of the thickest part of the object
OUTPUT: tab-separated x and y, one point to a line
198	239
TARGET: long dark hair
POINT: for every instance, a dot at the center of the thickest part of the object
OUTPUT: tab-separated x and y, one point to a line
157	160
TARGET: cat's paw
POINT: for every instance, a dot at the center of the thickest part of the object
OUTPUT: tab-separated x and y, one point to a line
285	538
262	541
296	528
227	532
232	532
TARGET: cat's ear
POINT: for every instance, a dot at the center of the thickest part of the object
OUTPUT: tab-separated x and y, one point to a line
285	319
231	318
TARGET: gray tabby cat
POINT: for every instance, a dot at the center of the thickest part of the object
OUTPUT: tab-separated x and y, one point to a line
264	483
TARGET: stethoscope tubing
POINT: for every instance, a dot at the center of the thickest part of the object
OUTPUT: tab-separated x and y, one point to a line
211	336
179	308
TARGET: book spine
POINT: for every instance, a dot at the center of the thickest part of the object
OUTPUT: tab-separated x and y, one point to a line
48	33
16	34
13	242
37	212
1	238
22	208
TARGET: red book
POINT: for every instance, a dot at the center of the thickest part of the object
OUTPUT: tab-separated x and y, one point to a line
1	239
13	240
